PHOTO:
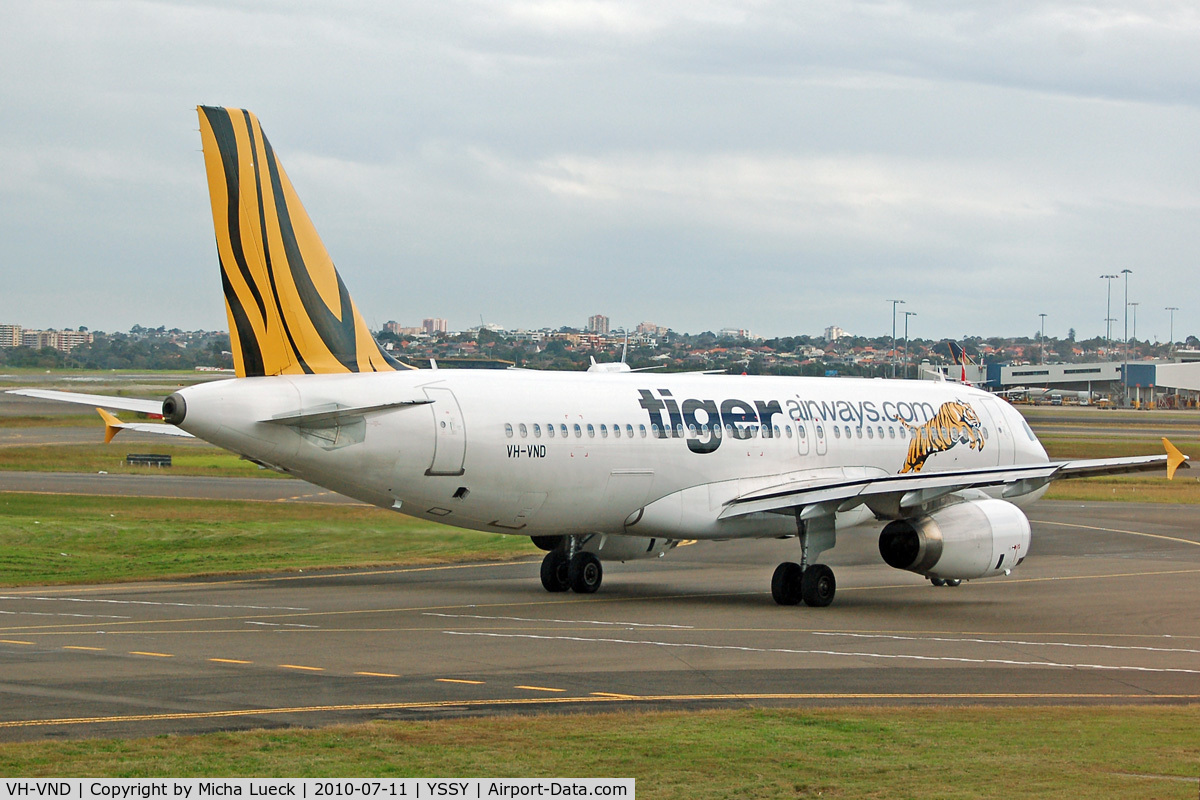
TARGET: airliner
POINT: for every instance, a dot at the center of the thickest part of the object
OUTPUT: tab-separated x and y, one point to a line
599	466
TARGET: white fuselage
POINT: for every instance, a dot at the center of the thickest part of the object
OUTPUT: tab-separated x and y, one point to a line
568	453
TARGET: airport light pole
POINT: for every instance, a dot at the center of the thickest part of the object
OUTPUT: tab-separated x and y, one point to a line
894	304
1172	309
1108	318
907	314
1042	338
1125	369
1134	305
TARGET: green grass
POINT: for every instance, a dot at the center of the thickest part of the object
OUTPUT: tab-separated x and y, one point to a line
1130	489
185	460
77	539
1083	447
1039	752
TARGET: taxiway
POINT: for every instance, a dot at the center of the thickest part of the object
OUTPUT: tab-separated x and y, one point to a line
1103	611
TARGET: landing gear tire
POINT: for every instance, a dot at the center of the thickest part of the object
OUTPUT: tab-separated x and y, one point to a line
937	581
818	586
555	569
785	583
954	581
585	573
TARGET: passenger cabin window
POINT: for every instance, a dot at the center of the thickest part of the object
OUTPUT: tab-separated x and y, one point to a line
537	431
524	430
642	428
591	431
616	431
880	429
603	431
563	428
837	432
653	427
508	430
870	433
578	431
903	433
550	430
629	431
891	432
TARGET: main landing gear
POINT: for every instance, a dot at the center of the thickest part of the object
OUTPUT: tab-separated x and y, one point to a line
812	583
567	567
791	583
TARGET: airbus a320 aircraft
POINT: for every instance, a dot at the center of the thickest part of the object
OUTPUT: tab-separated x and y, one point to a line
605	465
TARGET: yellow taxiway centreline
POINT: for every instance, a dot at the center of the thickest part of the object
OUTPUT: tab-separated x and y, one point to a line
535	701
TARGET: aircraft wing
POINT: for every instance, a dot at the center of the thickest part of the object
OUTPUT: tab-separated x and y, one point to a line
895	494
95	400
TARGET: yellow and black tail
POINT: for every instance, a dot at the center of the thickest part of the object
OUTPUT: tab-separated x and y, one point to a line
289	311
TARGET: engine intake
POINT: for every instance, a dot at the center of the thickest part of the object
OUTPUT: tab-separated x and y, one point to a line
971	539
174	409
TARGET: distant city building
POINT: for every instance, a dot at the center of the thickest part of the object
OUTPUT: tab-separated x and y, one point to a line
833	333
735	333
434	325
597	323
650	329
10	335
396	328
65	341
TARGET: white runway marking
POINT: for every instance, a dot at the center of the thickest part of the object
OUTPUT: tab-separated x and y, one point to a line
145	603
1008	641
847	654
52	614
563	621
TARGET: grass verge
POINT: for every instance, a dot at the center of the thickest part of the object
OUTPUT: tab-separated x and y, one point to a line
185	460
1129	489
78	539
1041	752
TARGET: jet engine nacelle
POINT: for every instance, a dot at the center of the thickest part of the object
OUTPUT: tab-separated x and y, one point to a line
971	539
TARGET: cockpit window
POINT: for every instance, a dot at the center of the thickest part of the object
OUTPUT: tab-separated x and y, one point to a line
1028	430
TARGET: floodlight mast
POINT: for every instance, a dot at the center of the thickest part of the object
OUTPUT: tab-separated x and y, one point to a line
1108	321
894	304
1125	369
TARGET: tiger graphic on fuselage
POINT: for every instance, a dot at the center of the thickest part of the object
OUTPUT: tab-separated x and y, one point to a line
954	423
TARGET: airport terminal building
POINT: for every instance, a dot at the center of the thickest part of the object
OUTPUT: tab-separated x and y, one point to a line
1174	383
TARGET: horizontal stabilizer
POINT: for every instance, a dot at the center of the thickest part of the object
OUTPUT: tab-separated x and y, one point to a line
113	426
153	407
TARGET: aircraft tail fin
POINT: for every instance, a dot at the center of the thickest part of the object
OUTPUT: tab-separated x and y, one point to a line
289	312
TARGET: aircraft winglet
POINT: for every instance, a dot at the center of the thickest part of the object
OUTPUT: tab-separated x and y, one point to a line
112	425
1174	458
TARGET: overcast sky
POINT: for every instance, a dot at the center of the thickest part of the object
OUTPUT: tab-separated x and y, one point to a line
780	167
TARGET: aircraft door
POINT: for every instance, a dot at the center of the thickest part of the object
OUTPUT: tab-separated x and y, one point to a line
820	430
803	435
1001	433
450	439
